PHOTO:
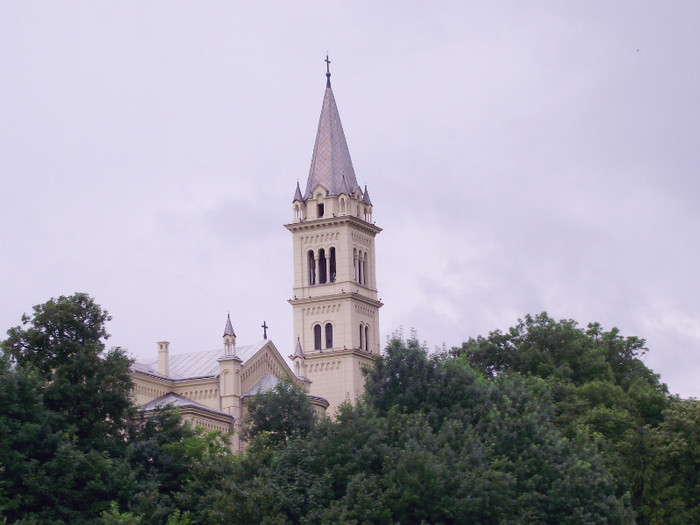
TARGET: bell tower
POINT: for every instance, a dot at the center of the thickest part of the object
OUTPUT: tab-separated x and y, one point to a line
335	304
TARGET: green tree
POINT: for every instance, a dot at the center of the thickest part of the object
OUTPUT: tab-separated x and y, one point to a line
85	387
677	467
65	415
601	391
177	467
431	442
278	415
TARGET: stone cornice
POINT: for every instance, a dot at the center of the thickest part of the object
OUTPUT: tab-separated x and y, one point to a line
346	296
326	353
318	224
170	381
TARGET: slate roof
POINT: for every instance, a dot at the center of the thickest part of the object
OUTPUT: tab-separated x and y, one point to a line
331	166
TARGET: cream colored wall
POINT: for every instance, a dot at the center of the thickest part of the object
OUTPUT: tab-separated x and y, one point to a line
147	388
206	423
335	373
328	302
337	376
221	393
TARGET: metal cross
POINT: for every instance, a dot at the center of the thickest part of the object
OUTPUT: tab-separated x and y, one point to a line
264	327
328	65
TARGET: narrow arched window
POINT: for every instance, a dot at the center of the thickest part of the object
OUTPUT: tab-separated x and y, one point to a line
367	338
365	256
354	264
362	334
317	337
360	272
322	268
332	265
312	268
329	335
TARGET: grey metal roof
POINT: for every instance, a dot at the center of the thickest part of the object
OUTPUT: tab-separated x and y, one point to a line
331	166
365	197
298	352
196	364
297	194
266	383
178	401
229	327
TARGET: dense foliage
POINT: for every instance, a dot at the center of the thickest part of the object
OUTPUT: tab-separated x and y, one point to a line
72	447
603	394
432	442
545	423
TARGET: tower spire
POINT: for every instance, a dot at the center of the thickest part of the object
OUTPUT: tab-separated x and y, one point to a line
331	166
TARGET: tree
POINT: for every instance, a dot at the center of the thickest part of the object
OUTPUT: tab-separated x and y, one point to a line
84	386
677	467
278	415
66	411
431	442
602	392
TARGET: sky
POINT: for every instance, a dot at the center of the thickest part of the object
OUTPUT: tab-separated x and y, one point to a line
521	157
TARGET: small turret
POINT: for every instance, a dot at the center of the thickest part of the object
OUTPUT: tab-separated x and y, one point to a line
229	338
299	360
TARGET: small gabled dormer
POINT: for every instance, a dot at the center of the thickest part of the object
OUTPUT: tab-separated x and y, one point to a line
320	203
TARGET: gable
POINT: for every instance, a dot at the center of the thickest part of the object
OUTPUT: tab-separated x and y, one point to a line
267	360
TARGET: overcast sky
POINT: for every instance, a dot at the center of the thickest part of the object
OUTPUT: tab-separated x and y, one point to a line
521	157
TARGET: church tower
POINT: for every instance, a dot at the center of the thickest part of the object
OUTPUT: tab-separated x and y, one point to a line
336	309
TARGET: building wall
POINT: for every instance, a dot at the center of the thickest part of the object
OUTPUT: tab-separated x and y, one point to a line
337	376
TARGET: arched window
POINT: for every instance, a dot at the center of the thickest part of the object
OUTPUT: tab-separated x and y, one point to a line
312	268
332	265
329	335
342	206
365	256
360	272
322	273
367	338
354	264
362	336
317	337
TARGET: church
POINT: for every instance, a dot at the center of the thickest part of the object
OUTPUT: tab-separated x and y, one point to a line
334	303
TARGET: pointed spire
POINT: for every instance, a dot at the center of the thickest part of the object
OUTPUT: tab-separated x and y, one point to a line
365	197
297	194
298	352
229	327
331	166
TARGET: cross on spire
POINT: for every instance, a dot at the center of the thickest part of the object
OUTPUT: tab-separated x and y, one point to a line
328	71
264	327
